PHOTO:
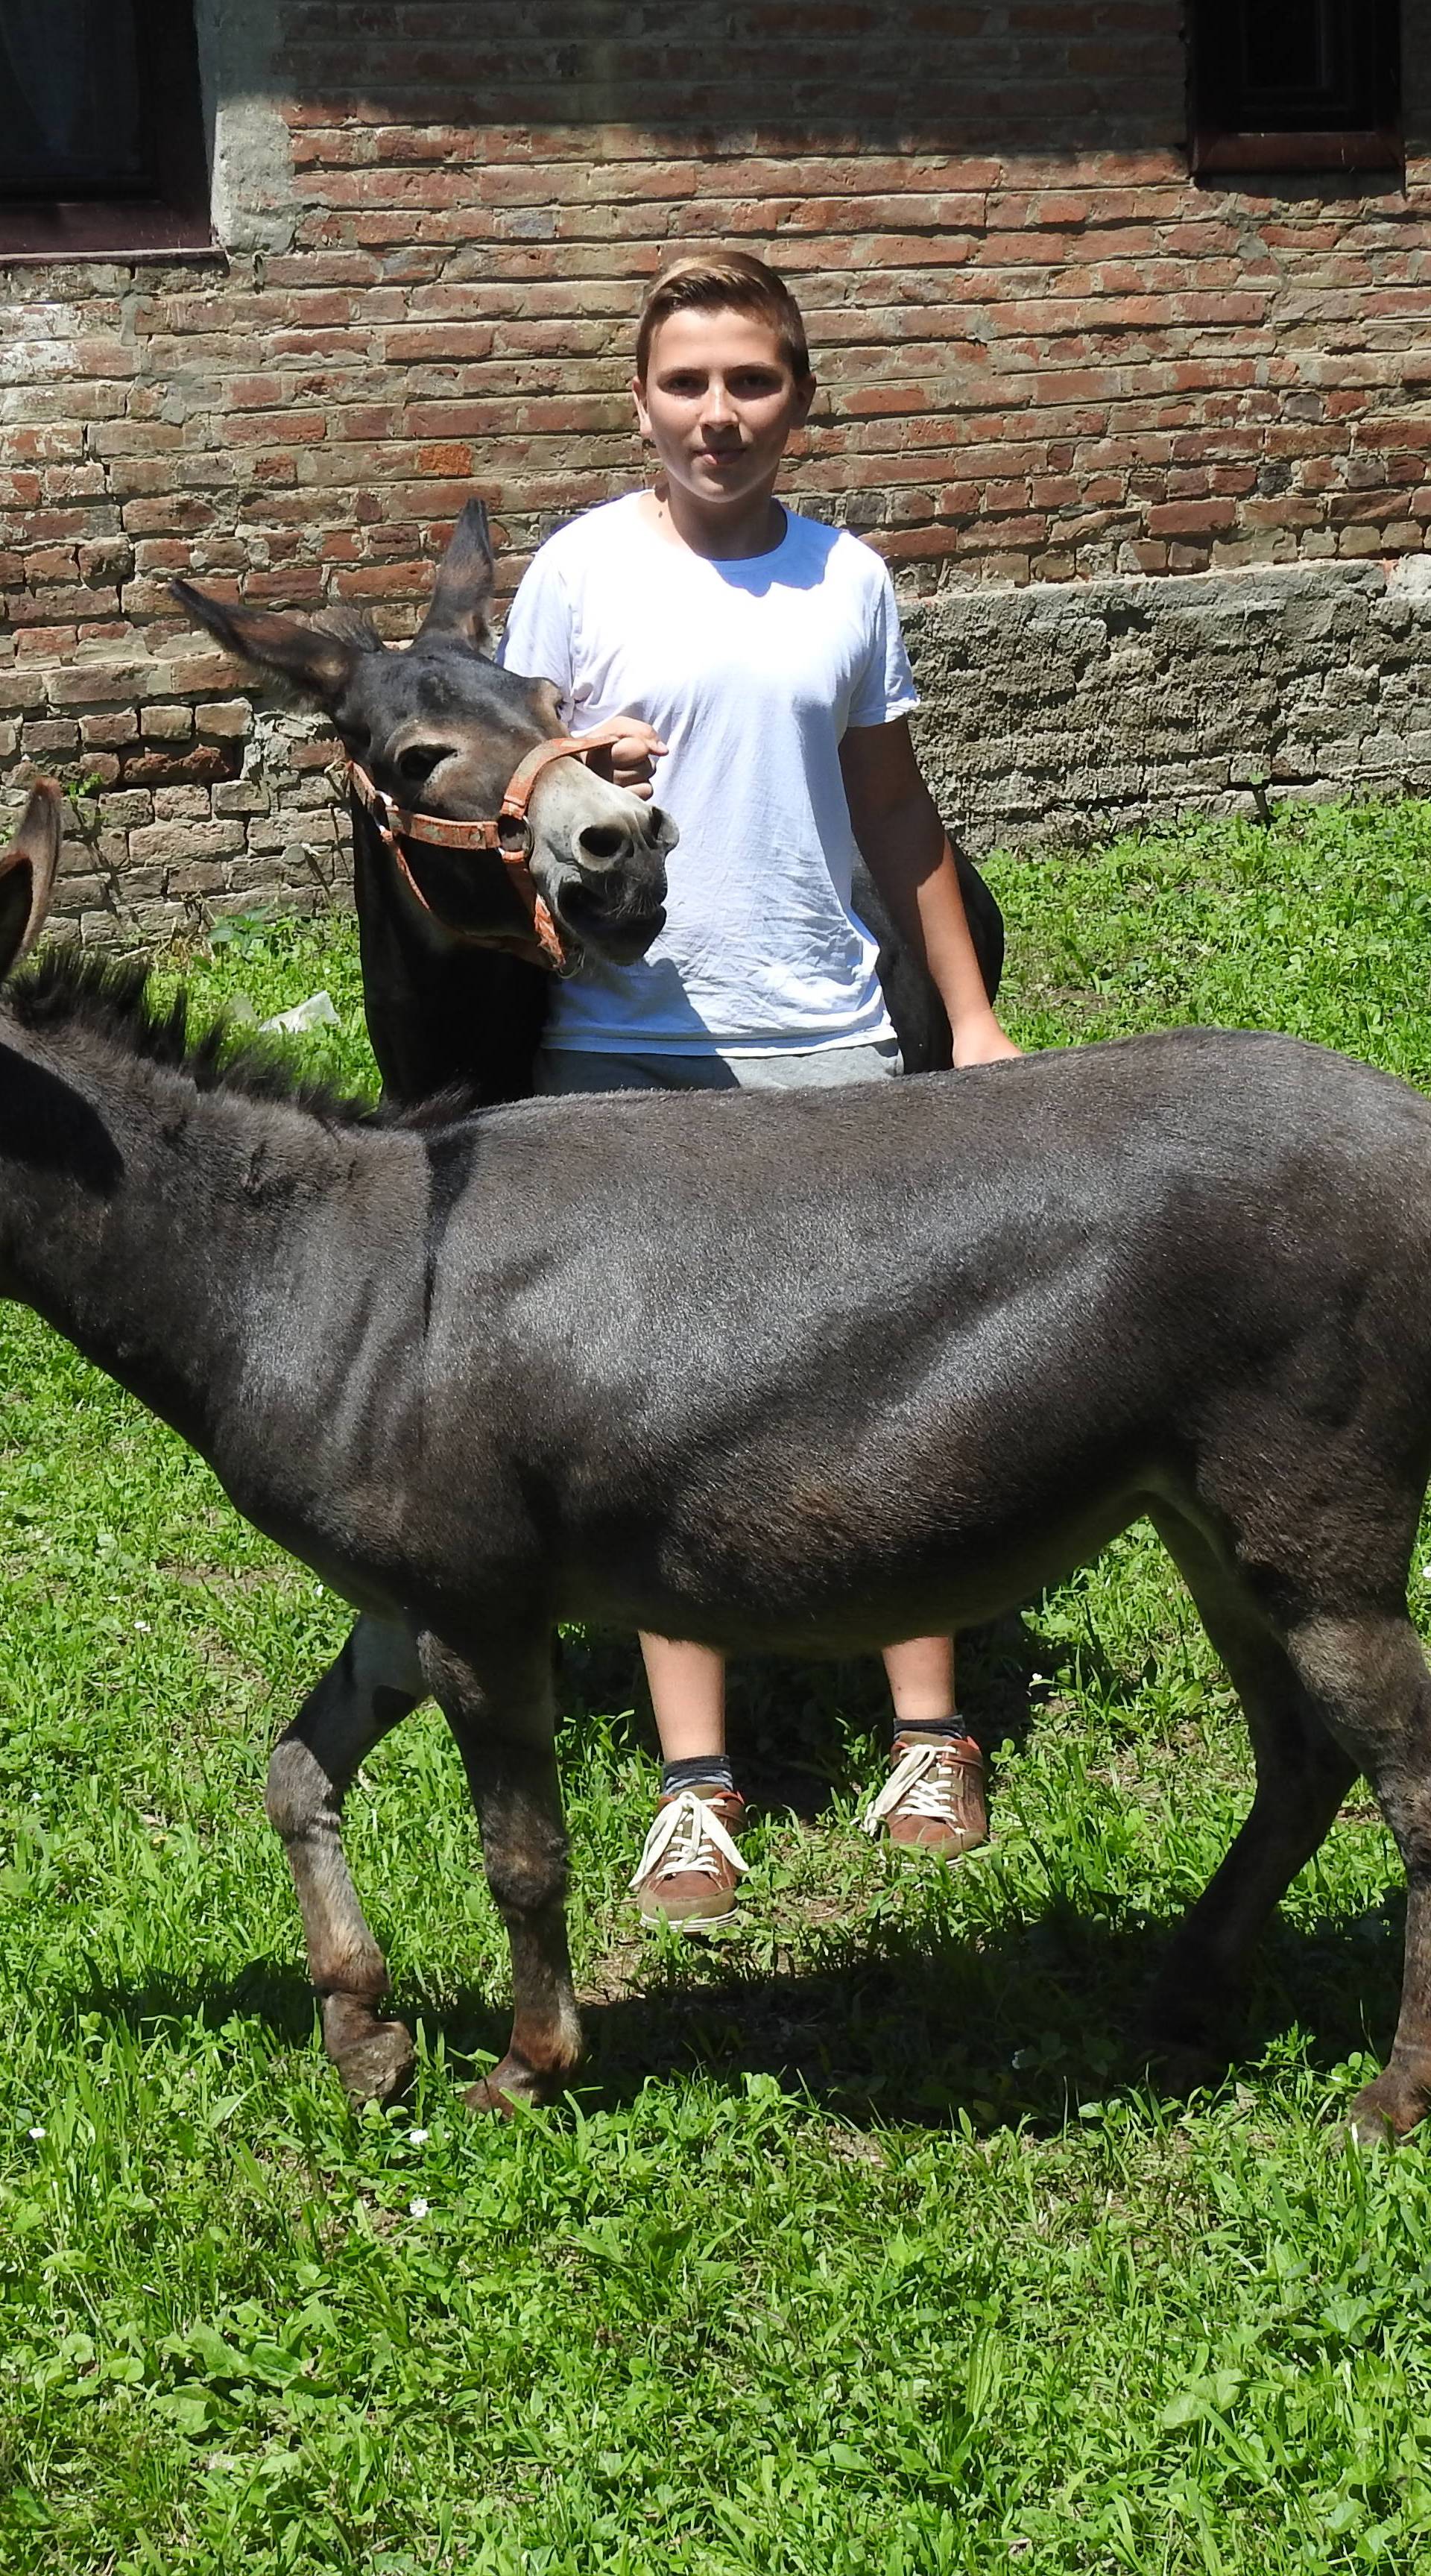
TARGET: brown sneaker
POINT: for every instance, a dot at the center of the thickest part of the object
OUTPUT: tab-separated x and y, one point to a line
933	1800
688	1871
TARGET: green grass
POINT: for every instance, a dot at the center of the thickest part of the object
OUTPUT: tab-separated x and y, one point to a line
864	2250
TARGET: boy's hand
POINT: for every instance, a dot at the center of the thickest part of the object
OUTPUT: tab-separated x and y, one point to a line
632	757
982	1041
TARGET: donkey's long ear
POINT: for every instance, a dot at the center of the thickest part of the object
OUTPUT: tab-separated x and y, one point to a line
463	594
320	663
27	873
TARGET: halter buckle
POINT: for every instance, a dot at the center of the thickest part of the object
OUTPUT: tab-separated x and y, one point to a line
515	838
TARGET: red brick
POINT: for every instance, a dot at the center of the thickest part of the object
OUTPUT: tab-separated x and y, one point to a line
1189	518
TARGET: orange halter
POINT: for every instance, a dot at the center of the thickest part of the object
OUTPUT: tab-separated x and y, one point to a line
509	834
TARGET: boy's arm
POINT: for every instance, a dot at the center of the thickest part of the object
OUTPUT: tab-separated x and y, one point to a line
906	851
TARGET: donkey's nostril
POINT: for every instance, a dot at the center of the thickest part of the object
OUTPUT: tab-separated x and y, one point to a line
416	765
604	841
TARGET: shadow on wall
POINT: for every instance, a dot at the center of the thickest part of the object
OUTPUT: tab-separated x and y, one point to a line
766	75
956	76
699	78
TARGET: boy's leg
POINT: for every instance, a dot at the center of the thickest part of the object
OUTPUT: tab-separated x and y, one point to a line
689	1869
688	1697
921	1680
933	1800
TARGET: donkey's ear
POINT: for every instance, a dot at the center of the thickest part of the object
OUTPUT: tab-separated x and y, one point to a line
27	873
320	663
463	594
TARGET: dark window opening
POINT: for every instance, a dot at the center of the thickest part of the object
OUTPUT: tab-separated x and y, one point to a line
102	130
1295	84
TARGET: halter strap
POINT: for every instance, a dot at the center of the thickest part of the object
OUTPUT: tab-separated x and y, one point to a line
508	833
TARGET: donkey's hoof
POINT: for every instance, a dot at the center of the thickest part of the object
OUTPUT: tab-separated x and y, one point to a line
1188	2033
485	2097
1180	2063
378	2068
510	2084
1378	2118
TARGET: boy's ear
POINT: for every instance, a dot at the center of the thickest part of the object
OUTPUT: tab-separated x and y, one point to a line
27	873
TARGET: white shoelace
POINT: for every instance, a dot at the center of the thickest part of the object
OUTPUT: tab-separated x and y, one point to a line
916	1785
686	1835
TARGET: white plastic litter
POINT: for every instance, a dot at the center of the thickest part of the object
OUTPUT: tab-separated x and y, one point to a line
316	1013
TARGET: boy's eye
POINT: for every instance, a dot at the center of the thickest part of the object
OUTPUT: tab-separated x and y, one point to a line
747	384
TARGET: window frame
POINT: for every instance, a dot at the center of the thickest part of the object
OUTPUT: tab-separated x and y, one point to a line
174	219
1218	144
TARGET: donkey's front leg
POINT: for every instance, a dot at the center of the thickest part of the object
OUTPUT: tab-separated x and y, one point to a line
376	1680
502	1713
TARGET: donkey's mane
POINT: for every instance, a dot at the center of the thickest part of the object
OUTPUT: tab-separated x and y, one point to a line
112	998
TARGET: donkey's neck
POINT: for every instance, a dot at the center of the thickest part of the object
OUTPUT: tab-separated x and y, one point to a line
440	1014
189	1242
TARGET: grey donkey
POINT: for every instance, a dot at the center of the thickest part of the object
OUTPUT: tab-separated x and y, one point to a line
792	1371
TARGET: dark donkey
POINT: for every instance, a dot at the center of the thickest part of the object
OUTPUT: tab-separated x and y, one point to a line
438	728
489	1373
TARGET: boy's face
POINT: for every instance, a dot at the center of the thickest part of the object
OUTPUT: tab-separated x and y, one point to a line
719	402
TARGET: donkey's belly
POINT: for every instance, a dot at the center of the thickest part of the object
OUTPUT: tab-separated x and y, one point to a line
736	1605
817	1545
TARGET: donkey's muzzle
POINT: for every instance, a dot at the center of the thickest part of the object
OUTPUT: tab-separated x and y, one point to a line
606	917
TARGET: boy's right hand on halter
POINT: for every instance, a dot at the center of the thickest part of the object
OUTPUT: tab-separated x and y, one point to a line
634	755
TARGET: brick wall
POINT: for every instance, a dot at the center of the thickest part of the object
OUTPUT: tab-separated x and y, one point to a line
1047	358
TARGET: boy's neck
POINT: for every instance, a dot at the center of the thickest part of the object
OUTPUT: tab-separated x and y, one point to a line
727	533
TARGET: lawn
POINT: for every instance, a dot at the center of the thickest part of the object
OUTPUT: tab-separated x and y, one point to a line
864	2248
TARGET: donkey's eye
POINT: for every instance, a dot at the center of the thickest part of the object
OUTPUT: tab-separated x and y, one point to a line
417	763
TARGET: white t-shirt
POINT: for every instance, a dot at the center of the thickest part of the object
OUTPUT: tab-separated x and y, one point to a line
750	672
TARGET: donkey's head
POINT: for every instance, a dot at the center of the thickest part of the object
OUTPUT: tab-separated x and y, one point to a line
440	729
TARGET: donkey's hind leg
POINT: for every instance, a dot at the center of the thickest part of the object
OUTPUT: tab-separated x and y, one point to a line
375	1681
502	1713
1369	1677
1303	1775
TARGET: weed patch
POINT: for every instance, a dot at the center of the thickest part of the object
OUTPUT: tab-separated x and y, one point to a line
863	2249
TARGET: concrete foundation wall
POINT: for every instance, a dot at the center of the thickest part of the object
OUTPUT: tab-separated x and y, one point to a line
1063	708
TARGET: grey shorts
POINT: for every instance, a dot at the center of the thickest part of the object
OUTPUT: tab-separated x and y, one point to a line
567	1069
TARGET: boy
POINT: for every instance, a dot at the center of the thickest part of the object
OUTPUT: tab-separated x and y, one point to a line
760	659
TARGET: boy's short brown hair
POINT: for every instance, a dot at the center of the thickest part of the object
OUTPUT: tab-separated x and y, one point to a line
704	280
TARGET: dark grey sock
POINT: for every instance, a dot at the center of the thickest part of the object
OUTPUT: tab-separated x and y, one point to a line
933	1730
701	1771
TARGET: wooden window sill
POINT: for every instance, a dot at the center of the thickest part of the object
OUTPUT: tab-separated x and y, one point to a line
118	229
1366	148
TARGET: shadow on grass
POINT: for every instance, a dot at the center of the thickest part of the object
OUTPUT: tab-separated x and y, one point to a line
917	2031
1037	2019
